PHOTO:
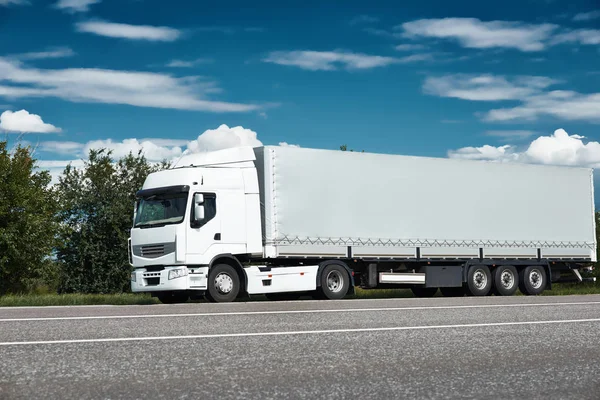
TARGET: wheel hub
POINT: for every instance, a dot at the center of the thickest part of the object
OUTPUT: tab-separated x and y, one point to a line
480	279
535	279
335	281
223	283
507	279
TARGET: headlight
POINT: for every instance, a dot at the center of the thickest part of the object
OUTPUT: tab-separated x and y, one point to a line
177	273
133	276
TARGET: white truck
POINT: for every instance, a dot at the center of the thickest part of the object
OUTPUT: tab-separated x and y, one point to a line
285	221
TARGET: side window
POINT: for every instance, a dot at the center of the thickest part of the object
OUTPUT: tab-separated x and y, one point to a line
210	210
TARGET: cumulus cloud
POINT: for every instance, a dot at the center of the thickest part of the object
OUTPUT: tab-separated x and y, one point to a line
61	147
131	32
485	87
560	148
333	60
94	85
224	137
24	122
152	151
74	6
474	33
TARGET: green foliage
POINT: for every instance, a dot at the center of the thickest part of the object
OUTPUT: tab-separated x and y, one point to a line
96	213
345	148
27	222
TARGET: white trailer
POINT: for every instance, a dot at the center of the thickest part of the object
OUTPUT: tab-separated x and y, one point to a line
283	221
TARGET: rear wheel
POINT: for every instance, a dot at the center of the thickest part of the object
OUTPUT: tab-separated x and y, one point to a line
424	291
223	284
452	291
173	297
335	282
506	280
479	280
532	280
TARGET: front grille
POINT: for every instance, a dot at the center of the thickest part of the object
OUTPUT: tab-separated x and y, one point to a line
152	281
153	251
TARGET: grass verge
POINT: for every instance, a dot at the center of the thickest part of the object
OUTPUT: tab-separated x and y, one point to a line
124	299
75	299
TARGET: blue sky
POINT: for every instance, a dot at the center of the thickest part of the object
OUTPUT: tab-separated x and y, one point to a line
482	80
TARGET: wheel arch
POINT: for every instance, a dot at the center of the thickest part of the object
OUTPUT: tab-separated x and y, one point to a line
232	261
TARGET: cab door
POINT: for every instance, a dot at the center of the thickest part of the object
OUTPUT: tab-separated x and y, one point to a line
206	233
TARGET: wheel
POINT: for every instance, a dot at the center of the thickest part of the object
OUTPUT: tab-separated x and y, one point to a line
532	280
479	280
420	291
223	284
453	291
335	282
173	297
506	280
283	296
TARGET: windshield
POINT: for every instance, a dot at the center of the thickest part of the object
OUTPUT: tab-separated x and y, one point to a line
161	209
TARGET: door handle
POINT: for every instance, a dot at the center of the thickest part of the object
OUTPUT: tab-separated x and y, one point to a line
217	236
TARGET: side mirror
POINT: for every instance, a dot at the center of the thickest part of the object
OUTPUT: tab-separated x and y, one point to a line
198	198
198	212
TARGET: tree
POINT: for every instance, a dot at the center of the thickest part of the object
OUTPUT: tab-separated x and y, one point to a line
27	222
345	148
96	213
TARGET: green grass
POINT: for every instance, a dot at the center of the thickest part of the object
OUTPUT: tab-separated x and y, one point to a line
75	299
123	299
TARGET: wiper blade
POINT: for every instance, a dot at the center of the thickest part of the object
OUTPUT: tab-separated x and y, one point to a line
149	224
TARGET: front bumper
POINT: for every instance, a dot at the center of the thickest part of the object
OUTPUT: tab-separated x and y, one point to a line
143	280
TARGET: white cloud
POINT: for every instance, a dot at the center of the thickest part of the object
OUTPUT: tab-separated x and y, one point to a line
57	52
474	33
15	2
57	147
152	151
559	148
580	36
566	105
514	134
286	144
126	31
187	64
222	138
24	122
93	85
485	87
409	47
73	6
587	16
333	60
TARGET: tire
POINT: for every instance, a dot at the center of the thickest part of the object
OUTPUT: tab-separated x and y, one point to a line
532	280
287	296
173	297
420	291
223	284
453	291
479	280
335	282
506	280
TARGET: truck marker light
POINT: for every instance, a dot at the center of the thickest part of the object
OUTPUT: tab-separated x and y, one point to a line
301	273
269	276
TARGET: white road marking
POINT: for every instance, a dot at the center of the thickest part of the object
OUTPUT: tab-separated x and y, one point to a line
290	333
314	311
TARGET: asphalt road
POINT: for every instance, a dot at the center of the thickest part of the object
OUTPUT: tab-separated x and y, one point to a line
441	348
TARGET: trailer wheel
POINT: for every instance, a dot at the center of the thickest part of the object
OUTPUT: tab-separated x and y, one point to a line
506	280
532	280
419	291
453	291
223	284
335	282
173	297
479	280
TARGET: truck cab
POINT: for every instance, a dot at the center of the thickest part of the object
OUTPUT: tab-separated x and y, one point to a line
180	226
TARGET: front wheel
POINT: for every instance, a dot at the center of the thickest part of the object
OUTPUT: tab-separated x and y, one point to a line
223	284
532	280
335	282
